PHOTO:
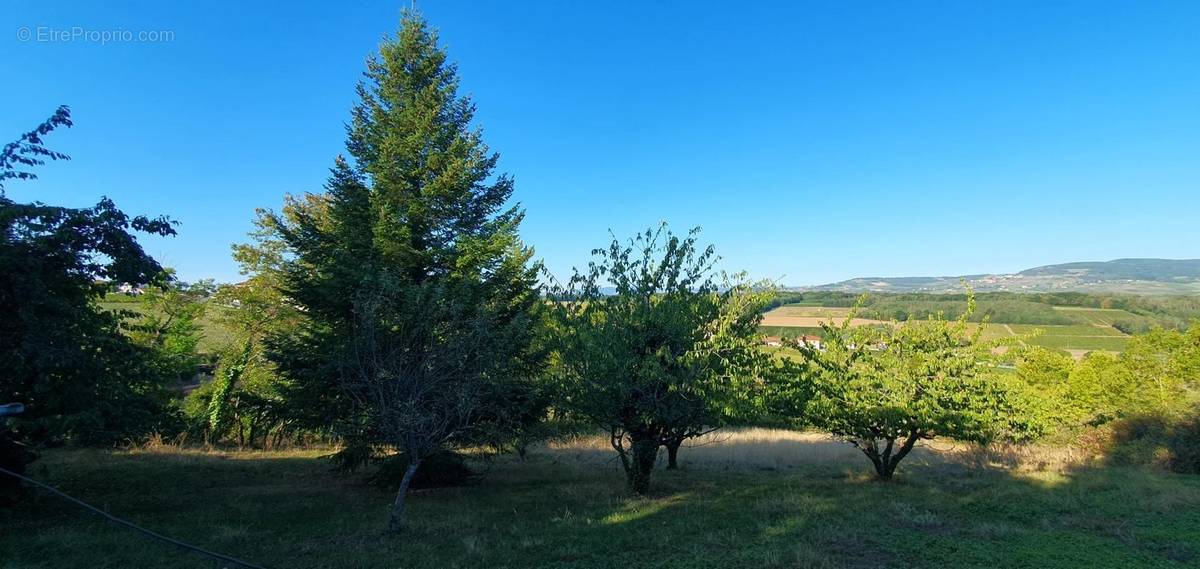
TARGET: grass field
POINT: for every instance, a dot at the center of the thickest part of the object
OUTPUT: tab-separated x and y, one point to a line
811	311
1075	344
1099	316
752	499
1078	330
215	336
1074	339
1093	333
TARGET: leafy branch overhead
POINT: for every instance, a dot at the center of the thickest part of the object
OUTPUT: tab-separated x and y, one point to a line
29	151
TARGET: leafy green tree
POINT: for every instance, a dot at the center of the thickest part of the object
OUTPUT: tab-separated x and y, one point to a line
1045	377
168	322
80	377
417	298
28	150
1163	365
228	378
885	388
672	353
1152	376
246	394
1099	388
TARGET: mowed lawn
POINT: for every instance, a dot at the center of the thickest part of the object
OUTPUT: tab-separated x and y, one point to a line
752	499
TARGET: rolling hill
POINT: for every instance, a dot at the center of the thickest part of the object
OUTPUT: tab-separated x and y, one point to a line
1130	276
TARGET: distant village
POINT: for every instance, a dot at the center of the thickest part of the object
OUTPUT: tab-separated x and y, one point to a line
813	342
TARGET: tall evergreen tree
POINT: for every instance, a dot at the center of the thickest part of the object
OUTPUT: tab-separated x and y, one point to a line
418	297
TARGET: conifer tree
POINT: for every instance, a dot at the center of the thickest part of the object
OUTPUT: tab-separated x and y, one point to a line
418	297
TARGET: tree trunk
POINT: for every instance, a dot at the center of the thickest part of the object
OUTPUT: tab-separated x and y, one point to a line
397	516
905	447
885	462
673	453
644	451
253	431
883	471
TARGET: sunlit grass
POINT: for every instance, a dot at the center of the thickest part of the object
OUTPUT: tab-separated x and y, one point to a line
743	498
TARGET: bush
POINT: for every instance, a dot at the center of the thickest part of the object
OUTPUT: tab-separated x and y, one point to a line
1185	445
439	470
1171	442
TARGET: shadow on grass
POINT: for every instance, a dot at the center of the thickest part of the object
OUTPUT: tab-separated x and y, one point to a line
958	507
567	507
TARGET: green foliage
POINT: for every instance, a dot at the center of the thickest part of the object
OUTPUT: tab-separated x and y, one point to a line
671	354
1163	364
243	402
791	331
1127	313
1044	374
168	322
441	469
879	386
246	397
82	380
1152	382
416	299
1167	440
229	373
29	151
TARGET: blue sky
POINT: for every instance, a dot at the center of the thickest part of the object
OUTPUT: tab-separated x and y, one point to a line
813	141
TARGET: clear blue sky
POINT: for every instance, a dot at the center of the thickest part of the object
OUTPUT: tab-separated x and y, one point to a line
812	141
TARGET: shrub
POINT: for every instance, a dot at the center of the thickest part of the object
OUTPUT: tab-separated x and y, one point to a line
438	470
1166	441
1184	443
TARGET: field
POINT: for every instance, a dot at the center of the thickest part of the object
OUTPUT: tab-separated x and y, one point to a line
214	338
1097	316
1093	332
754	498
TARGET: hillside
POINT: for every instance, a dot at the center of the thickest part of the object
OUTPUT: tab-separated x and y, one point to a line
1124	276
1158	270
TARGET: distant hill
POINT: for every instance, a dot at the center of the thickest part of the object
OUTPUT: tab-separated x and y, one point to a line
1159	270
1129	276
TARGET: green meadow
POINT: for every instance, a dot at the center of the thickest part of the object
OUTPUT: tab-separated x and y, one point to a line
752	499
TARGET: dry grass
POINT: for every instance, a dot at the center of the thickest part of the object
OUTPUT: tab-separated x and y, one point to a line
772	319
753	449
817	311
180	446
732	449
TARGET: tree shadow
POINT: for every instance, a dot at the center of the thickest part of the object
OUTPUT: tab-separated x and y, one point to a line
568	507
981	509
